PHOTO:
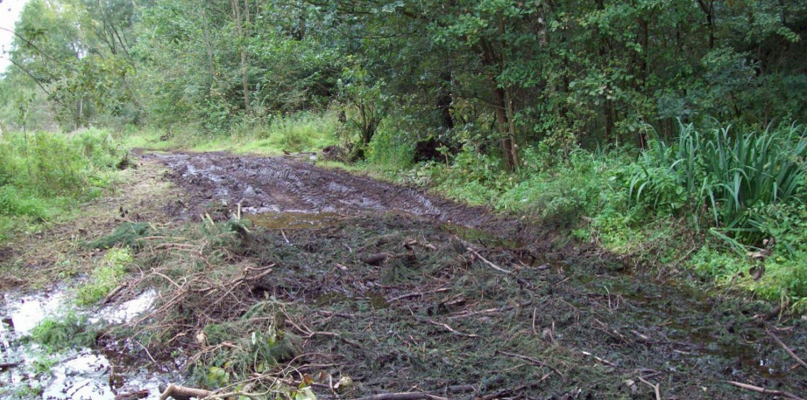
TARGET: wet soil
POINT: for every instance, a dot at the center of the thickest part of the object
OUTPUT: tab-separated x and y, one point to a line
218	182
405	291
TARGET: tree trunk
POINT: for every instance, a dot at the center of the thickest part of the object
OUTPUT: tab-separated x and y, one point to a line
239	30
510	147
445	101
205	29
607	105
502	107
709	10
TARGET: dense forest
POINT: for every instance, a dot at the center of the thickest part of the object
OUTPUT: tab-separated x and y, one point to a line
505	74
624	123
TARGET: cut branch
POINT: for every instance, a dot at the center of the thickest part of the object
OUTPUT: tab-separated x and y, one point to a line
764	390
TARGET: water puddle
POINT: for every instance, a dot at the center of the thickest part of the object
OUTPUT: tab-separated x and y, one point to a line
293	219
79	373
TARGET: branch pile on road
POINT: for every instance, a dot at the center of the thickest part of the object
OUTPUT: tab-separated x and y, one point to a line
398	304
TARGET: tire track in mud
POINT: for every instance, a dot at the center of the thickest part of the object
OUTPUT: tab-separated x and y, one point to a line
276	184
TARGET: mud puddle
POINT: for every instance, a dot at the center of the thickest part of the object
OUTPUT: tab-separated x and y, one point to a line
293	220
76	373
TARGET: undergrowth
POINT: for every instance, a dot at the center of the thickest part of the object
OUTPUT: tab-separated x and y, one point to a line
43	174
104	278
721	202
300	132
69	330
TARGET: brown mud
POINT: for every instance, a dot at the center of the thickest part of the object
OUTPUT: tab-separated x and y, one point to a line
403	291
217	182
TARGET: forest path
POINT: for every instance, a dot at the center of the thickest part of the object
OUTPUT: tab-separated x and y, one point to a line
219	182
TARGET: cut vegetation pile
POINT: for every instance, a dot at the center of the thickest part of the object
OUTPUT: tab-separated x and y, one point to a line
378	304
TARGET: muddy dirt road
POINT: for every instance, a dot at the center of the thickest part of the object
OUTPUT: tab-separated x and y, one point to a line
392	295
286	185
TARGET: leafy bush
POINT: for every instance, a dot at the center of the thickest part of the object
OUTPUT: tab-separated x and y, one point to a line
42	173
126	234
14	203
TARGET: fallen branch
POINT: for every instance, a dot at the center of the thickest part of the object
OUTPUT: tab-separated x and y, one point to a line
403	396
656	387
416	294
115	292
764	390
7	366
140	394
181	392
787	349
602	360
490	264
452	330
532	360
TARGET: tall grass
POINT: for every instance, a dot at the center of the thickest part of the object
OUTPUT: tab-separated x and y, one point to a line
725	173
300	132
43	172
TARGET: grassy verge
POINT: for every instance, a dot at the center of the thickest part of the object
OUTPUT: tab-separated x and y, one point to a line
300	132
43	176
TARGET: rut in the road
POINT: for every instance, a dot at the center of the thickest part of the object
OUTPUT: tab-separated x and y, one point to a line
261	184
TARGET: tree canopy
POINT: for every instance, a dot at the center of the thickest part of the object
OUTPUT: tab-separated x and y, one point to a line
507	73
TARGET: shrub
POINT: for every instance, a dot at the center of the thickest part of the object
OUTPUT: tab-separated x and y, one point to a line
43	173
724	173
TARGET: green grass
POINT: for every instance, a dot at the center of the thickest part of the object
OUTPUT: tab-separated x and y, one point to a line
43	175
302	132
730	173
105	277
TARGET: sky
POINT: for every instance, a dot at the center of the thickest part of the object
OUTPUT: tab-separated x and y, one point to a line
9	12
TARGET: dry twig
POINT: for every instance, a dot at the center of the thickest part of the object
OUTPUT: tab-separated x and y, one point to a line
452	330
532	360
490	264
656	387
764	390
787	349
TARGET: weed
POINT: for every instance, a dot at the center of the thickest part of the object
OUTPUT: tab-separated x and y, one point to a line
31	390
301	132
44	363
730	174
43	174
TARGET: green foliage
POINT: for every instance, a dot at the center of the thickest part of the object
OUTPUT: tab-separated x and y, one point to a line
126	234
730	175
300	132
43	364
255	351
69	330
14	203
52	164
42	174
104	278
390	149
